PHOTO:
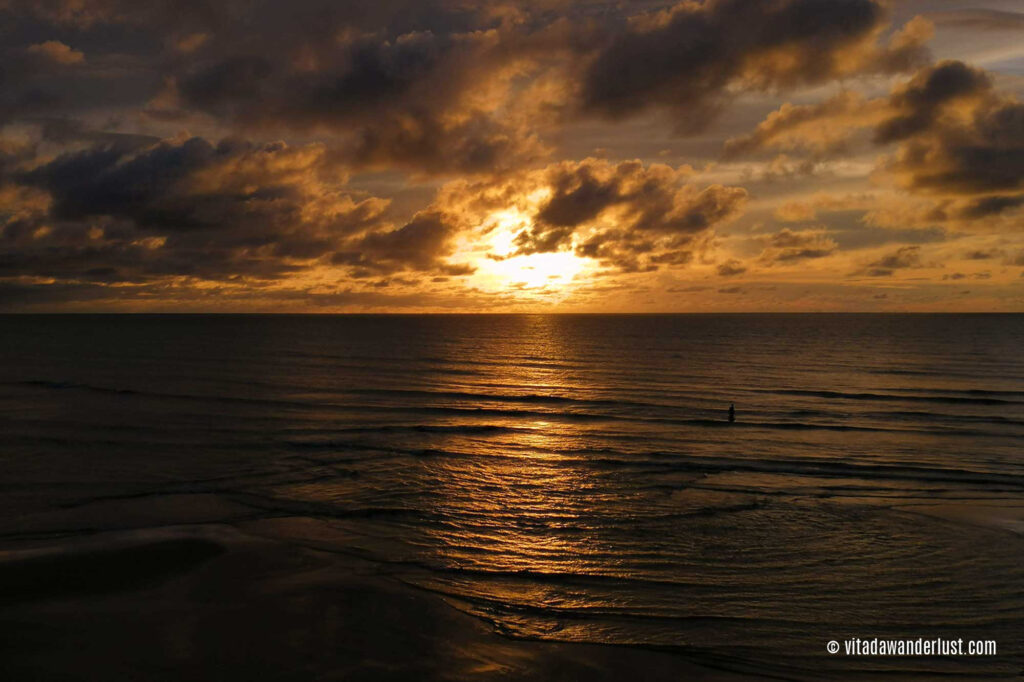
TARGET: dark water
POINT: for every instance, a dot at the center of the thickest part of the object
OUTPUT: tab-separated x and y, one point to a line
573	477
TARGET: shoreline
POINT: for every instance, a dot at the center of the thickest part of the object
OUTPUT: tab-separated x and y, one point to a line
214	601
204	585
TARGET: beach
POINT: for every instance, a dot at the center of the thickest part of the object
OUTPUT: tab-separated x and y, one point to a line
256	600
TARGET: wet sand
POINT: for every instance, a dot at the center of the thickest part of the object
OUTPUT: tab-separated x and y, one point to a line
256	600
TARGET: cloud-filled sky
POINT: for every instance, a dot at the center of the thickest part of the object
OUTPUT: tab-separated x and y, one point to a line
489	156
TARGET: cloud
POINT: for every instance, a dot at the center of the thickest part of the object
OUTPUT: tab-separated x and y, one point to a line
407	101
444	88
626	215
991	205
647	199
473	115
916	107
183	207
796	212
983	254
187	209
420	244
984	155
448	86
420	86
958	140
985	19
920	104
56	52
731	268
903	257
823	129
686	58
959	276
803	210
789	246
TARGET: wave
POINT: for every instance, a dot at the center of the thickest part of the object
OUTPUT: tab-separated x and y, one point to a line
310	404
656	461
838	395
92	388
941	417
463	429
573	411
968	391
532	398
784	426
62	385
819	468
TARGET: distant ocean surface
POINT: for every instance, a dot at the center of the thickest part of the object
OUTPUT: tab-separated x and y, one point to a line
574	477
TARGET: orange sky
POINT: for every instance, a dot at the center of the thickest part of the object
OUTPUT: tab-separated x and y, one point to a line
469	155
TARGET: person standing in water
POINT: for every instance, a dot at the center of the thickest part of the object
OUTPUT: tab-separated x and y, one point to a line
732	413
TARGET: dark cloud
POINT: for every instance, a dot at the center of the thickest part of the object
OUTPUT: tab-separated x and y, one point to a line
644	203
628	216
401	82
731	268
992	205
956	276
677	257
915	108
235	211
222	297
686	58
983	255
406	100
438	86
922	101
985	19
408	89
905	257
800	127
68	131
958	139
57	65
420	244
864	236
788	246
180	208
96	196
984	155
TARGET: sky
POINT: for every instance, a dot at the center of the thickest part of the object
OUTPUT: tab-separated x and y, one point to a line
492	156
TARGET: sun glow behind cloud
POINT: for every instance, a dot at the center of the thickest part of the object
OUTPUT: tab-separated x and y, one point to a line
498	268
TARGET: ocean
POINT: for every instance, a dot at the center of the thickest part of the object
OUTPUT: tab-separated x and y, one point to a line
572	478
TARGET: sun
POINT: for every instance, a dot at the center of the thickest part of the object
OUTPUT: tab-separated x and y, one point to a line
499	268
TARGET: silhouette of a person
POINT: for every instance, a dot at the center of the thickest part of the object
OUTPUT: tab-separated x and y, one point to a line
732	412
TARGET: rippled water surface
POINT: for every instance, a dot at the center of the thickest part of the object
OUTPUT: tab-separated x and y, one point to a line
574	477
